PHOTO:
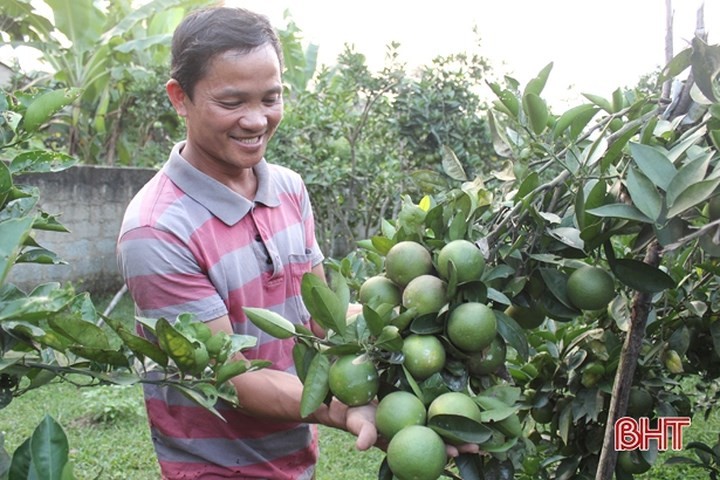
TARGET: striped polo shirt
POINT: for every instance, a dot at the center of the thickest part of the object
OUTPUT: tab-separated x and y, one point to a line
190	244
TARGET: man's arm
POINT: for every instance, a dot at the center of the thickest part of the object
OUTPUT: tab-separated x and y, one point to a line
276	396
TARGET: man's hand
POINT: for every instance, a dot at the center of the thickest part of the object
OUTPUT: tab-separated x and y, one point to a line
360	421
456	450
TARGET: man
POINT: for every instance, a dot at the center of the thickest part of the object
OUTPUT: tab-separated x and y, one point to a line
217	229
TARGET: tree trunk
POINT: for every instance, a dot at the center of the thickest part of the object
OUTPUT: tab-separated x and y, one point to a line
626	370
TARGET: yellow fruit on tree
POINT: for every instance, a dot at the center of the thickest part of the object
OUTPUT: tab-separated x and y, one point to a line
426	294
353	379
406	260
472	326
590	288
397	410
467	259
416	452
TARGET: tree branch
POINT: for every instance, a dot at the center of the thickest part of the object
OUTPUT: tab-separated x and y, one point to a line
626	370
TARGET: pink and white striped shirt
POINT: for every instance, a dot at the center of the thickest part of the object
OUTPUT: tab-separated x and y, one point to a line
190	244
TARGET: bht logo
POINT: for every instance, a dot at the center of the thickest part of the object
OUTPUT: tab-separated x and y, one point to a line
632	434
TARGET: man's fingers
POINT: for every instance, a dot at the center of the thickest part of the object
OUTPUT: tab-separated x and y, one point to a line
456	450
367	437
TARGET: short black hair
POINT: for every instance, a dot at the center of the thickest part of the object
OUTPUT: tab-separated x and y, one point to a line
208	32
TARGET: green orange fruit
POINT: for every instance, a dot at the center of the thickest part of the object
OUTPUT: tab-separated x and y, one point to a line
471	326
466	258
378	290
397	410
416	452
406	260
426	294
590	288
424	355
353	379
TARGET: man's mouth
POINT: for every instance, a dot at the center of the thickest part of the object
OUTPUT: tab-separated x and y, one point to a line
249	141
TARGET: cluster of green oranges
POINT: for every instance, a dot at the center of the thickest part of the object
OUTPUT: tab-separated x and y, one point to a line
418	281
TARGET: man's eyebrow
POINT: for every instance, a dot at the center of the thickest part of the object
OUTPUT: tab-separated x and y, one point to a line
236	92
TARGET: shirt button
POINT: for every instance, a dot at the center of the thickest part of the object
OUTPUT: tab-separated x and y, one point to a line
258	237
269	261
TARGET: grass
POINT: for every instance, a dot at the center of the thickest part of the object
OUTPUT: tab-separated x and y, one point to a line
109	436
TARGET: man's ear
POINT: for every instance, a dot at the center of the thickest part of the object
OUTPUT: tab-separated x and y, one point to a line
177	96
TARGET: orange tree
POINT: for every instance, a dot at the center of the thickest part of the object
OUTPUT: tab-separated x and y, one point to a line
600	241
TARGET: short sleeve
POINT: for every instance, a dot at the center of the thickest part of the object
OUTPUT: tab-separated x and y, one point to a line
164	278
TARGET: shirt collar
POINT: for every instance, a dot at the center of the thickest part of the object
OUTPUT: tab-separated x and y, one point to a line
225	204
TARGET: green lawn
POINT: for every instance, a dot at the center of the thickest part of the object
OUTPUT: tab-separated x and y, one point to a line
109	438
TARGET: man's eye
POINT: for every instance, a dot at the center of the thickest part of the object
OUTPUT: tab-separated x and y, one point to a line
272	100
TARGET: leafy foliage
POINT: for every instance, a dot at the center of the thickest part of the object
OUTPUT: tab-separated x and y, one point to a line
354	135
624	184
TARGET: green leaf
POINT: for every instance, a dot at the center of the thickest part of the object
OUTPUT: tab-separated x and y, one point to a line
640	276
536	111
339	285
373	320
40	256
140	346
599	101
644	194
13	233
429	181
677	65
693	195
500	142
41	161
470	467
616	148
21	462
302	357
705	60
46	105
507	99
536	85
176	345
101	355
654	164
687	175
6	184
531	182
316	387
513	334
556	282
79	20
459	429
230	370
49	447
576	118
270	322
452	166
80	331
202	394
325	307
620	210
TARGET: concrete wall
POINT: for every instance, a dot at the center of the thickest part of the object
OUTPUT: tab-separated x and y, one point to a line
90	202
